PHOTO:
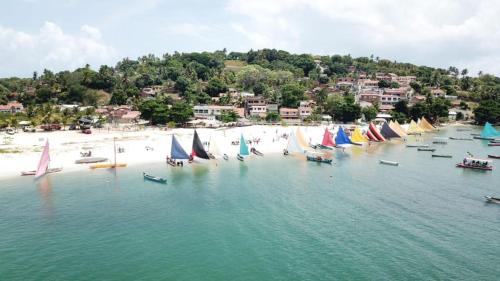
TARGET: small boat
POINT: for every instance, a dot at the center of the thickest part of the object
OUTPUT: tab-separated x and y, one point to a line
225	157
495	141
153	178
426	149
417	145
461	138
387	162
243	149
494	156
463	129
474	163
491	199
91	160
256	152
439	141
210	155
493	144
109	165
319	159
239	157
484	138
285	152
442	155
49	171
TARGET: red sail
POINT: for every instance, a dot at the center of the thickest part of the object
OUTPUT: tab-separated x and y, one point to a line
327	139
375	132
371	136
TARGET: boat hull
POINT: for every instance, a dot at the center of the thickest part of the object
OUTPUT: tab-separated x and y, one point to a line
91	160
153	178
386	162
442	156
493	144
108	166
494	156
426	149
239	157
487	168
491	199
49	171
315	159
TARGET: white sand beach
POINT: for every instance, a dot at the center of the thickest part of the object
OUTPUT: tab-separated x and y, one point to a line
65	146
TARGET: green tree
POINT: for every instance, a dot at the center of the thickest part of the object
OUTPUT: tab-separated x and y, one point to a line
384	84
180	112
215	87
292	94
402	107
119	97
273	117
229	116
370	113
487	111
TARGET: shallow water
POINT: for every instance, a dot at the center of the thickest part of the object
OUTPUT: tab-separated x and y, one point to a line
271	218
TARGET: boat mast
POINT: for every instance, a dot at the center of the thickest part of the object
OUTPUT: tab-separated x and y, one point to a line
114	145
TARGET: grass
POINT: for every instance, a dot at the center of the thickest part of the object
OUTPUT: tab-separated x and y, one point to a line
234	65
7	151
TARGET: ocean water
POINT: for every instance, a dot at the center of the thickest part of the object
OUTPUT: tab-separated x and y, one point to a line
270	218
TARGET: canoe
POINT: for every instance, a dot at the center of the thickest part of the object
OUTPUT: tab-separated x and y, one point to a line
387	162
153	178
442	155
491	199
320	146
319	159
481	138
91	160
107	166
417	145
493	144
495	141
487	168
494	156
457	138
256	152
49	171
439	142
426	149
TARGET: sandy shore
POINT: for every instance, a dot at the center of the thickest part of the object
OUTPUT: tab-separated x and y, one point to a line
65	146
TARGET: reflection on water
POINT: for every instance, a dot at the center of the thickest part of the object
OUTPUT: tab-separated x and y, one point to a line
44	186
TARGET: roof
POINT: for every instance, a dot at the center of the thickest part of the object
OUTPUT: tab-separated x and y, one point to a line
131	115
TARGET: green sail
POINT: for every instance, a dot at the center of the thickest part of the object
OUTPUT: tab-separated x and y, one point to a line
243	147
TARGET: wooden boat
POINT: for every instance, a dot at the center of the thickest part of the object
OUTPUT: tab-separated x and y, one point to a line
49	171
457	138
91	160
225	157
439	141
387	162
319	159
256	152
493	144
484	138
417	145
491	199
442	155
494	156
153	178
474	163
426	149
109	165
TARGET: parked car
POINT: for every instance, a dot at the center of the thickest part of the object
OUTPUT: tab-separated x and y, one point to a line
29	129
87	131
51	127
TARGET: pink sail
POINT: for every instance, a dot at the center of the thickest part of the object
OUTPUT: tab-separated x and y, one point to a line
43	165
327	139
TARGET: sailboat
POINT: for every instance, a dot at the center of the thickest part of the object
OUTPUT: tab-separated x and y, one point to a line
176	152
414	129
425	125
488	133
357	137
43	164
293	145
341	139
387	132
375	132
328	142
197	148
109	165
243	149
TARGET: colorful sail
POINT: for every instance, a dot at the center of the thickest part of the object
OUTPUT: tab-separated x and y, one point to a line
387	132
301	139
357	136
414	129
43	164
375	132
243	147
197	149
327	139
424	124
341	138
293	144
397	128
489	131
176	150
371	136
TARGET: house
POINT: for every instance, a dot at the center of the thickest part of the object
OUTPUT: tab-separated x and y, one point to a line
289	113
344	85
148	93
368	83
305	109
12	107
272	107
130	117
392	96
255	105
369	96
416	99
438	93
204	111
405	80
258	110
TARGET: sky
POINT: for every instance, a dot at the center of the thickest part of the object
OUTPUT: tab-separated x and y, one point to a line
64	35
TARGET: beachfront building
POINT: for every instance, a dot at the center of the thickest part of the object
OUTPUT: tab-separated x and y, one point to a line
370	96
203	111
289	113
392	96
12	107
272	107
255	106
305	109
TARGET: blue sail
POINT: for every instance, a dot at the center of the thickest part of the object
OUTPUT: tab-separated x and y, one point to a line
342	138
176	150
489	131
243	147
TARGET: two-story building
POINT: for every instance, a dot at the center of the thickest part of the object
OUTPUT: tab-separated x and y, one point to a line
392	96
203	111
289	113
305	109
12	107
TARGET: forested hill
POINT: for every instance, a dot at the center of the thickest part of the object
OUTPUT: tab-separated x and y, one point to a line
198	76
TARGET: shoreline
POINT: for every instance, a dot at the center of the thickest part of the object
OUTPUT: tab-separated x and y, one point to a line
65	146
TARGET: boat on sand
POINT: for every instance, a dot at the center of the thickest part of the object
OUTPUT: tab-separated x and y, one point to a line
387	162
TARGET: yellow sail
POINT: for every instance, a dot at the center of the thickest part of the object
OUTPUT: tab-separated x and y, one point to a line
397	128
424	124
357	136
301	139
414	129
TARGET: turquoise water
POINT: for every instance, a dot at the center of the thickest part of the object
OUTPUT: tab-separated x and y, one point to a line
271	218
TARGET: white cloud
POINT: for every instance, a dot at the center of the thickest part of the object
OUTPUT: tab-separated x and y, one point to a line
439	33
51	48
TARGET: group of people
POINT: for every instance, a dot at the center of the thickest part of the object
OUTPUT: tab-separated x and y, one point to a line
174	163
475	163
